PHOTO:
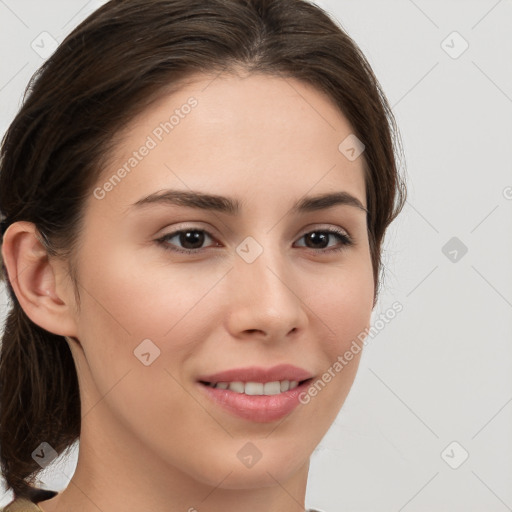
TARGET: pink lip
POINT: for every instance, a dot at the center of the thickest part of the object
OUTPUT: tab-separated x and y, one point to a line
258	374
257	408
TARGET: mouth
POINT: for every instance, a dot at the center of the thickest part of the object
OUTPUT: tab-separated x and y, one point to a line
257	394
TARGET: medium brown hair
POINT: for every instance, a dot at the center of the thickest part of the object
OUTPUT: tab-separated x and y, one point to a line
109	69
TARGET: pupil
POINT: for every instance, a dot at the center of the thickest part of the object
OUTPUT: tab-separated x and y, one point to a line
313	236
196	238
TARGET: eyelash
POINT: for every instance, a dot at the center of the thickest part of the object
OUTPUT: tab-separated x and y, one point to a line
345	240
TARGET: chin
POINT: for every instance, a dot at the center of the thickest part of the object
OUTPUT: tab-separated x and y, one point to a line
274	465
256	478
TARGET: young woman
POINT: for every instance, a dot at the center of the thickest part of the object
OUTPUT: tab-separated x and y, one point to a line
195	195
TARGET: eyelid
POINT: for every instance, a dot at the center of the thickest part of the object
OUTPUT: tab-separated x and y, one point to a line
307	229
185	226
319	226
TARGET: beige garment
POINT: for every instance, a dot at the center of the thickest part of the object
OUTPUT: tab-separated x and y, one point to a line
21	505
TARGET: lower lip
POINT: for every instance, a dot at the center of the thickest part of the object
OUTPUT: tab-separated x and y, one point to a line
257	408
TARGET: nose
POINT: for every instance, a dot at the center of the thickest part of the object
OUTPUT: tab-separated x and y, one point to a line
264	298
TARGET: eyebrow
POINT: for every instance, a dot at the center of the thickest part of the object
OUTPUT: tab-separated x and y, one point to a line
230	206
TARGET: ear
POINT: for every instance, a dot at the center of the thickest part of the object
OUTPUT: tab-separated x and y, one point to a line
40	285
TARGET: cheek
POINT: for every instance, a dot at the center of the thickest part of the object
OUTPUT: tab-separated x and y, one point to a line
345	304
126	302
342	310
141	299
123	305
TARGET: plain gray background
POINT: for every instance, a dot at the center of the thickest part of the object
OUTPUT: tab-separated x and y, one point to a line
427	425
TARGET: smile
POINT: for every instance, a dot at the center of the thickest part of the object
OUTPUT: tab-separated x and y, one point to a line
254	393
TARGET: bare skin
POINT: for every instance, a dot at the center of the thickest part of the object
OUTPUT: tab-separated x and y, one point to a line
151	439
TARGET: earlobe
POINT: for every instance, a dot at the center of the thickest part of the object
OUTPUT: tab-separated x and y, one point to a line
34	280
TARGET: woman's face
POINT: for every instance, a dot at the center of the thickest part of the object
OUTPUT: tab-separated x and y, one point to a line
263	286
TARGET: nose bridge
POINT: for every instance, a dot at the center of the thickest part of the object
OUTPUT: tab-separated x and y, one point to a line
263	296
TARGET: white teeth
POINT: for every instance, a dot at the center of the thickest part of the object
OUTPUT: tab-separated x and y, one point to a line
238	387
272	388
254	388
257	388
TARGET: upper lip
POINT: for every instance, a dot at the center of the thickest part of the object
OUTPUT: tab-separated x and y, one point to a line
258	374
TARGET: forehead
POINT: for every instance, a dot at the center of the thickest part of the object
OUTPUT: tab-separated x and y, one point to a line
256	135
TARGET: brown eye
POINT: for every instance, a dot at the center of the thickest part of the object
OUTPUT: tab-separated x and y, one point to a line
191	240
319	239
